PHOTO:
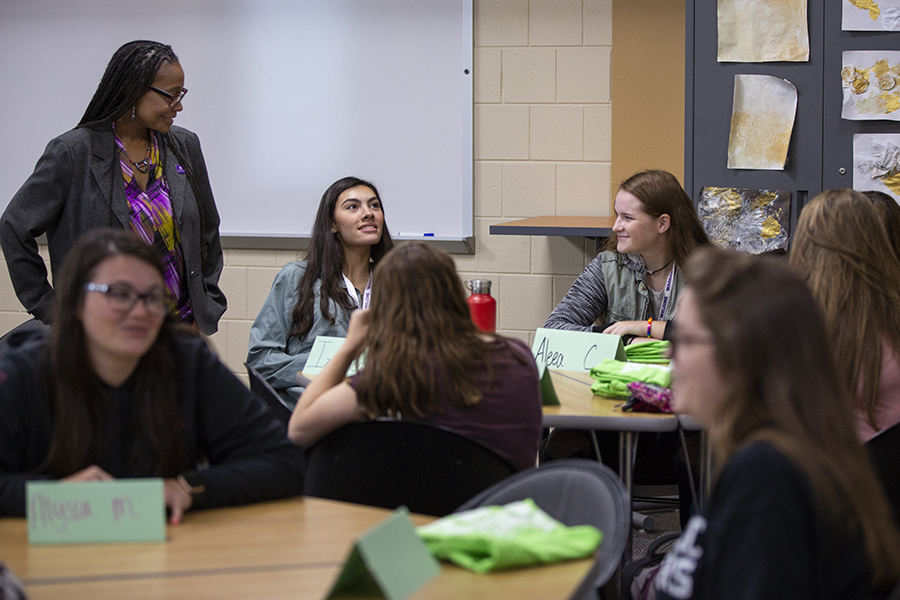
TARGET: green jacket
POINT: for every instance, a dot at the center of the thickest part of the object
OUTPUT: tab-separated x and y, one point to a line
626	288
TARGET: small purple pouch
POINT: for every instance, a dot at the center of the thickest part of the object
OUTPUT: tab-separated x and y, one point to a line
647	397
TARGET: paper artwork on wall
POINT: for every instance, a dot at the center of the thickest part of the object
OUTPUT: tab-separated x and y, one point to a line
876	163
748	220
870	85
763	31
869	15
762	119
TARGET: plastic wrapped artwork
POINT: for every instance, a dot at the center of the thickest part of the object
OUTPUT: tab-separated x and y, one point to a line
876	163
749	220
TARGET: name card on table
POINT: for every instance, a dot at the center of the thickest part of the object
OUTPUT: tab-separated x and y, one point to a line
323	350
575	350
388	561
548	392
125	510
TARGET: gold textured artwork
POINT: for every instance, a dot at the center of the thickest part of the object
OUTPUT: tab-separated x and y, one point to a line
869	15
763	31
749	220
870	85
762	119
868	5
876	163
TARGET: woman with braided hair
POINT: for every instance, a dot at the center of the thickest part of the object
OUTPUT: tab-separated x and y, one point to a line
124	165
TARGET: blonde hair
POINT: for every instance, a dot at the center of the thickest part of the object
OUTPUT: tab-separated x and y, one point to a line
842	250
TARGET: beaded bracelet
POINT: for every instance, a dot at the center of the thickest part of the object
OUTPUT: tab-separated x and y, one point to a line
649	323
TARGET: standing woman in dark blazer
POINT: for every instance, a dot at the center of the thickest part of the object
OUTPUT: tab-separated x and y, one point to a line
124	165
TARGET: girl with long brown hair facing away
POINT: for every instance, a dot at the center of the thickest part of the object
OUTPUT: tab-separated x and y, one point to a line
841	249
796	511
426	361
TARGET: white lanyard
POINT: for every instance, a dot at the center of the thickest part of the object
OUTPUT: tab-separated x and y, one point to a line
667	294
367	294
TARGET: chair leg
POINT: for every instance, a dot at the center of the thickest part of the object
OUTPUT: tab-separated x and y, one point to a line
596	445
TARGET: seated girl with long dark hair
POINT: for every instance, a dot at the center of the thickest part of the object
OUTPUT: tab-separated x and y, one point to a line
426	361
120	390
315	296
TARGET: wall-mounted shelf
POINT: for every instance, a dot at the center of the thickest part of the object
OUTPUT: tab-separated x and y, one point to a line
593	227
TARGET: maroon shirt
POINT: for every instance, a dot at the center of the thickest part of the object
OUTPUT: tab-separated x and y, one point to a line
508	418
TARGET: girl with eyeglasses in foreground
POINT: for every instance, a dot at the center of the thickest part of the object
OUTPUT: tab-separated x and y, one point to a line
795	511
120	390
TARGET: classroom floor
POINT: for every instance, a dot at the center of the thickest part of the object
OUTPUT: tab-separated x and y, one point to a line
665	520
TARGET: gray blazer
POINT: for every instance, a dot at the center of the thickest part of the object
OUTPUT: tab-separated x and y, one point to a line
273	351
76	186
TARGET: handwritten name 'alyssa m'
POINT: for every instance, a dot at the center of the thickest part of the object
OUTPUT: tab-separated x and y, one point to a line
46	512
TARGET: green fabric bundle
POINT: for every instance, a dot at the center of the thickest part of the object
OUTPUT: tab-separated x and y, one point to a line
649	351
613	376
499	537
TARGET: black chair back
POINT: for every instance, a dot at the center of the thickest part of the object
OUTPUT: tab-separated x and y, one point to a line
387	463
262	389
884	450
574	491
23	329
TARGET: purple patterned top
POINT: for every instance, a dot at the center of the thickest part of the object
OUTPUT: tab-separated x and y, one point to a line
151	220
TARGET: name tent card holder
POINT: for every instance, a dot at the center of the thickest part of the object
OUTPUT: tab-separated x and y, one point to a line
574	350
323	350
388	561
124	510
548	392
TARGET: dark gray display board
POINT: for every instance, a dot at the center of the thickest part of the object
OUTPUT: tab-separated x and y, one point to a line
821	143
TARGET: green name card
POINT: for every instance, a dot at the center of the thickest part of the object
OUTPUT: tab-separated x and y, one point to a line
323	350
388	561
124	510
548	392
575	350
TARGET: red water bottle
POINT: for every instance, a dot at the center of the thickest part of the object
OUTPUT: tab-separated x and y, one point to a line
482	306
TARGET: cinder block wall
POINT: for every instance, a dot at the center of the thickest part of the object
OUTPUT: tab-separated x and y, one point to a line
542	147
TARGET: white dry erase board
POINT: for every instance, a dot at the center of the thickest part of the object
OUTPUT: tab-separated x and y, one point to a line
286	96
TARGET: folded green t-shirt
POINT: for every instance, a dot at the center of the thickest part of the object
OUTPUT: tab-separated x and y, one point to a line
648	351
499	537
613	376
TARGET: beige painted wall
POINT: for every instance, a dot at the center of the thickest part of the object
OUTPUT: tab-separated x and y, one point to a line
542	147
647	81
